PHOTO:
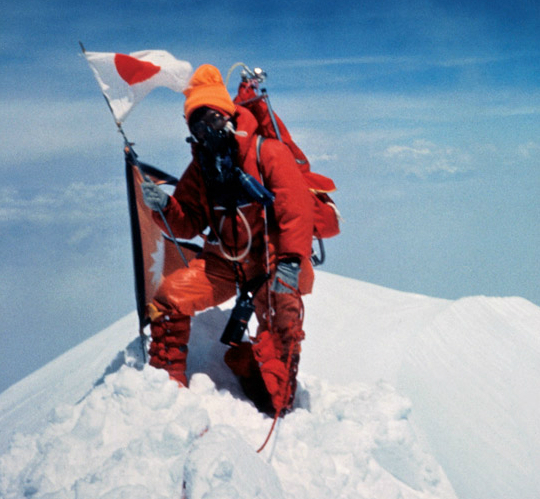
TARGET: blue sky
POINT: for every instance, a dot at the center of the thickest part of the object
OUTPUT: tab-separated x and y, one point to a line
425	113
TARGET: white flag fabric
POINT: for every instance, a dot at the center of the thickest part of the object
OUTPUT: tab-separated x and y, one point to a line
126	79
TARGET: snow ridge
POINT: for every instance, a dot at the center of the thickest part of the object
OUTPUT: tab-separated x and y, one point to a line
466	375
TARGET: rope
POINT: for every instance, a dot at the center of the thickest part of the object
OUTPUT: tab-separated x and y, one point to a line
276	417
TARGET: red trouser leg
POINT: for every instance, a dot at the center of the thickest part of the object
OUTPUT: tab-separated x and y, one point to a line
276	350
207	282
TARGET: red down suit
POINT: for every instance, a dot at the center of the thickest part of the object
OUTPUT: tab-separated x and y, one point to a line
211	277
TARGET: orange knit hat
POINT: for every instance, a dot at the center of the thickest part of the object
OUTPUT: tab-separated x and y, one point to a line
206	88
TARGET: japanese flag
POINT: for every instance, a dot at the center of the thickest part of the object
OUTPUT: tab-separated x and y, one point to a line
126	79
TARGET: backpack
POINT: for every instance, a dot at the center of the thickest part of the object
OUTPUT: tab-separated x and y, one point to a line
327	216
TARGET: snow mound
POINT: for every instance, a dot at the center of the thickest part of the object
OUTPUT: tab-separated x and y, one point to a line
138	435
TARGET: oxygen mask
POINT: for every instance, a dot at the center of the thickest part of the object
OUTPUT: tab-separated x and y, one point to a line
209	129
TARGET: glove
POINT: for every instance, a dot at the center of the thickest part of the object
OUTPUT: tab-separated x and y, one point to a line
153	196
287	271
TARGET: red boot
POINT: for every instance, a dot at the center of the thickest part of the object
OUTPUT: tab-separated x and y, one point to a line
242	363
278	357
169	347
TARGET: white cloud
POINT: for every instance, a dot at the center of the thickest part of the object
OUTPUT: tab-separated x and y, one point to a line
338	61
420	149
322	158
79	209
405	62
423	159
529	150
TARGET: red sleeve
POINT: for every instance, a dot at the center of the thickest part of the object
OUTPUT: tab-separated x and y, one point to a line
293	206
185	212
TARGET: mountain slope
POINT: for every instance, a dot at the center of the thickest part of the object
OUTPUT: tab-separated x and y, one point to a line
485	352
25	405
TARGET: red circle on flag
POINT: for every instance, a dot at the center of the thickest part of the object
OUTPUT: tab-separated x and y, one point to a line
134	70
